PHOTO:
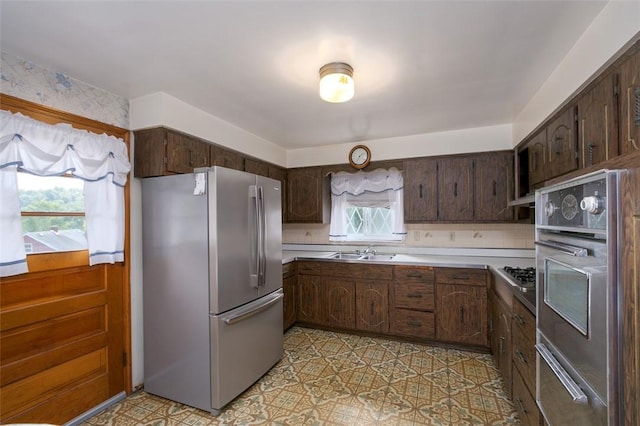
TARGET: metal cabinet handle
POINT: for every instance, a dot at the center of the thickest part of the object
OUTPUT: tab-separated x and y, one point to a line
519	319
501	340
521	357
414	275
414	296
569	384
420	190
455	189
495	188
521	406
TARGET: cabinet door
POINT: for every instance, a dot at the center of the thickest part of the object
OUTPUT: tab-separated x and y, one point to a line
562	148
305	195
184	154
455	189
461	313
420	190
597	125
537	148
226	158
372	306
309	287
493	187
339	302
503	341
290	296
629	81
256	167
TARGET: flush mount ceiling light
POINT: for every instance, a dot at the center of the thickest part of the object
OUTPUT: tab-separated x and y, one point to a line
336	82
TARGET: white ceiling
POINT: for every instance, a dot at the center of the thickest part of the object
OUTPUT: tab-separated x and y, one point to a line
420	66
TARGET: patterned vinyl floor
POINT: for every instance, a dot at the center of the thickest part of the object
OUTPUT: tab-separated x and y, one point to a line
327	378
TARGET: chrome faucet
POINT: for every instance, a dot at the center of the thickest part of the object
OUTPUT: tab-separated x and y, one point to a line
370	250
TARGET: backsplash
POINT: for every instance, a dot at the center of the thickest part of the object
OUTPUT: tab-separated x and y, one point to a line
500	235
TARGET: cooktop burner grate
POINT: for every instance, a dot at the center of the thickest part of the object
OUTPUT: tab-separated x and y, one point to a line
525	278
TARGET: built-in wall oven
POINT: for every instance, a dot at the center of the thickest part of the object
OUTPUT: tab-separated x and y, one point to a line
577	315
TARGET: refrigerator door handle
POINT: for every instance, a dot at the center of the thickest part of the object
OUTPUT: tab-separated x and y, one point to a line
247	314
261	238
256	261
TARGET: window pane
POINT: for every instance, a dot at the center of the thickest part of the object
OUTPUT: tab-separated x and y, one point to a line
44	234
56	194
50	194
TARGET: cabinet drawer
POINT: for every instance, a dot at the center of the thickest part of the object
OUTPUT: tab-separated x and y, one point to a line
414	296
525	403
461	276
310	268
289	269
524	320
414	273
358	270
524	356
413	323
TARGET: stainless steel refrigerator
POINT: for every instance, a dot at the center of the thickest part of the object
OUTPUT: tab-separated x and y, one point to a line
212	292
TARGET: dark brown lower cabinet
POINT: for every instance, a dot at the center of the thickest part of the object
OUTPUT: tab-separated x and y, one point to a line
290	289
500	336
339	302
309	289
461	306
372	306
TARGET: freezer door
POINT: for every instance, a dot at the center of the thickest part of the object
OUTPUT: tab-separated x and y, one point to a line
272	207
232	238
245	343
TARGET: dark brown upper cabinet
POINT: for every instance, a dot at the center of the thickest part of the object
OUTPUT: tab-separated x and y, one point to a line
493	187
308	196
420	190
226	158
537	151
161	151
562	146
455	189
598	122
256	167
629	94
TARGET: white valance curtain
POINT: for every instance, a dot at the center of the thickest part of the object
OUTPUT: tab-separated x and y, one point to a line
378	188
47	150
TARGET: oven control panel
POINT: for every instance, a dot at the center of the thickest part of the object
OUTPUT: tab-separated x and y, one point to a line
580	203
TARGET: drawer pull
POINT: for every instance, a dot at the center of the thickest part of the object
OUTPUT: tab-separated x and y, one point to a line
519	319
414	275
461	277
413	324
414	296
569	384
521	406
521	357
501	338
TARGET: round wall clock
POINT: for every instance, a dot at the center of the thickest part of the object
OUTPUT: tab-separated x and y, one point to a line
359	156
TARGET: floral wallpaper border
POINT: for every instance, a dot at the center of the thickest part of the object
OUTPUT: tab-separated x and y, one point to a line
26	80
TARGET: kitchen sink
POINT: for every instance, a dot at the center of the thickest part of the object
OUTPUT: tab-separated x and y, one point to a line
348	256
361	256
378	257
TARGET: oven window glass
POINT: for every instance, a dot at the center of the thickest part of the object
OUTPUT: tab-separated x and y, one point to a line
566	291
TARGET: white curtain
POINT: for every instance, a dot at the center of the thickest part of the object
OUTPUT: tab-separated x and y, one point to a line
378	188
46	150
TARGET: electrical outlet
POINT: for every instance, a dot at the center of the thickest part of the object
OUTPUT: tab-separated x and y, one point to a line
452	236
416	235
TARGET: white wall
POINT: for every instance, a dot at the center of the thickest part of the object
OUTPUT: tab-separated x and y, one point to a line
161	109
453	142
613	29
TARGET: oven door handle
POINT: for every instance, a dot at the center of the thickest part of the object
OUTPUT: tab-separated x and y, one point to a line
564	248
569	384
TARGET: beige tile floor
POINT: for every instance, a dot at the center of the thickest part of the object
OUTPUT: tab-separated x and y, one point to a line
327	378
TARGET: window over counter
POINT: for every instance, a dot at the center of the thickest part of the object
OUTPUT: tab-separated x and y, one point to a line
367	206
